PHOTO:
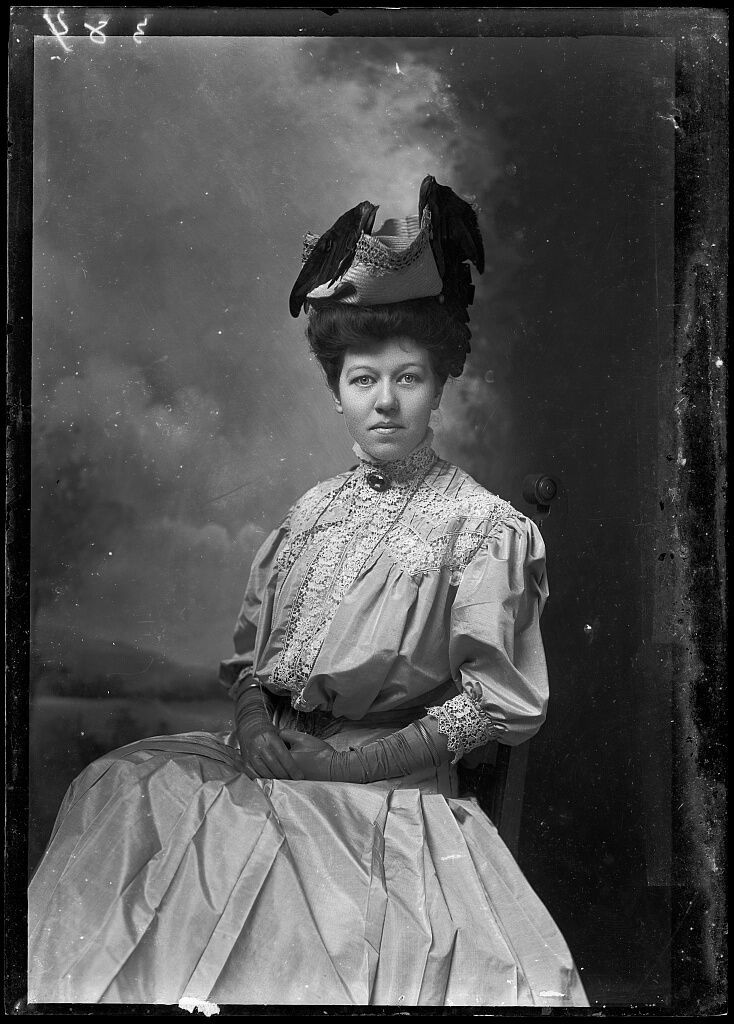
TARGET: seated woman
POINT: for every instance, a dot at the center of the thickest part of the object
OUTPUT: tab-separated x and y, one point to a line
321	854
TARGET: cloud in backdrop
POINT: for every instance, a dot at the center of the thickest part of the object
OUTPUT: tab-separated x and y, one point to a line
176	410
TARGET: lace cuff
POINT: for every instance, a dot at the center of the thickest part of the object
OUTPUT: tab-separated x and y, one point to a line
464	724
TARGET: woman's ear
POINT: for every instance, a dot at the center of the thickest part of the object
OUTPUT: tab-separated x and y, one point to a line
337	403
437	397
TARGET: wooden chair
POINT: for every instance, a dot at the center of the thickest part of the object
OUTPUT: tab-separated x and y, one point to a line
498	784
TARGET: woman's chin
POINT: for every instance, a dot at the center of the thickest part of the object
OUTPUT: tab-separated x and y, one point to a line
387	447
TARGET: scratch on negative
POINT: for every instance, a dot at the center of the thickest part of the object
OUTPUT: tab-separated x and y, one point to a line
191	1004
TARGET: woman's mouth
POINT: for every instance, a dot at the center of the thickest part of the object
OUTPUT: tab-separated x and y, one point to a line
386	428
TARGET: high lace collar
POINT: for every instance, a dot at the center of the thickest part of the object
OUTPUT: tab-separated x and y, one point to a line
400	471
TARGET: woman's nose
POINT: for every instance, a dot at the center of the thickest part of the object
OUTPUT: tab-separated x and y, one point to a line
386	397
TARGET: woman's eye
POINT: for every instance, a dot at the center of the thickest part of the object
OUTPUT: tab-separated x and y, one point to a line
409	378
363	381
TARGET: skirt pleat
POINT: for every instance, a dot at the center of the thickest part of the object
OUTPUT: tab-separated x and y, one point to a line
172	874
530	931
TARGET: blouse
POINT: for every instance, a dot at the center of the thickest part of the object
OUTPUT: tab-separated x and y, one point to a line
412	589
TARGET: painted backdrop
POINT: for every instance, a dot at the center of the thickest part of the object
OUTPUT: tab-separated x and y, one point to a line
177	413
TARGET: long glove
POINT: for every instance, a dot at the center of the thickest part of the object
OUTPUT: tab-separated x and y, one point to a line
263	751
415	748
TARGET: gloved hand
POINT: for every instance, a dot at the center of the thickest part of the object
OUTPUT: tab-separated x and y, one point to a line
311	754
263	751
416	747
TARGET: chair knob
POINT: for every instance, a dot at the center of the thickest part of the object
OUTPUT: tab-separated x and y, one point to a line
539	489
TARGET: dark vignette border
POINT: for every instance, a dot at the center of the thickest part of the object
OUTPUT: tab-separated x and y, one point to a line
694	420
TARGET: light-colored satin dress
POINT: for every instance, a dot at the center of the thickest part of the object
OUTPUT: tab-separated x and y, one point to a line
171	874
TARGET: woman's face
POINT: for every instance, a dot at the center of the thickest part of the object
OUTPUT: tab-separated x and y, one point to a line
387	391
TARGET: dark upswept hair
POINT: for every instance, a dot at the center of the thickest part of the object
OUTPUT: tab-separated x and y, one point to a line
333	328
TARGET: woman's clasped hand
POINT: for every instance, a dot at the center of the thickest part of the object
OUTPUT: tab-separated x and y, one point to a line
264	753
312	755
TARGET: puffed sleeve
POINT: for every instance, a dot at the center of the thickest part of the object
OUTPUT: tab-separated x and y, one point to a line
231	670
495	647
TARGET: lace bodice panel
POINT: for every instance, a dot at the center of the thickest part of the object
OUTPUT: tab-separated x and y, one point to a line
365	599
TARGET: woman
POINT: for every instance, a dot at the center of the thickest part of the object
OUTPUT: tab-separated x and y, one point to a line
321	854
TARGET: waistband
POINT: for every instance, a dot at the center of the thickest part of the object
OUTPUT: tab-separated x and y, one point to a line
323	723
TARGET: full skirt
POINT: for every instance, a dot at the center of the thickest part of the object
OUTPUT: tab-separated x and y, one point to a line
171	874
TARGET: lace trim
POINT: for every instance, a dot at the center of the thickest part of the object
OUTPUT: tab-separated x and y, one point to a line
475	516
303	522
338	525
336	561
402	472
453	551
378	260
437	509
295	545
377	255
303	525
464	724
